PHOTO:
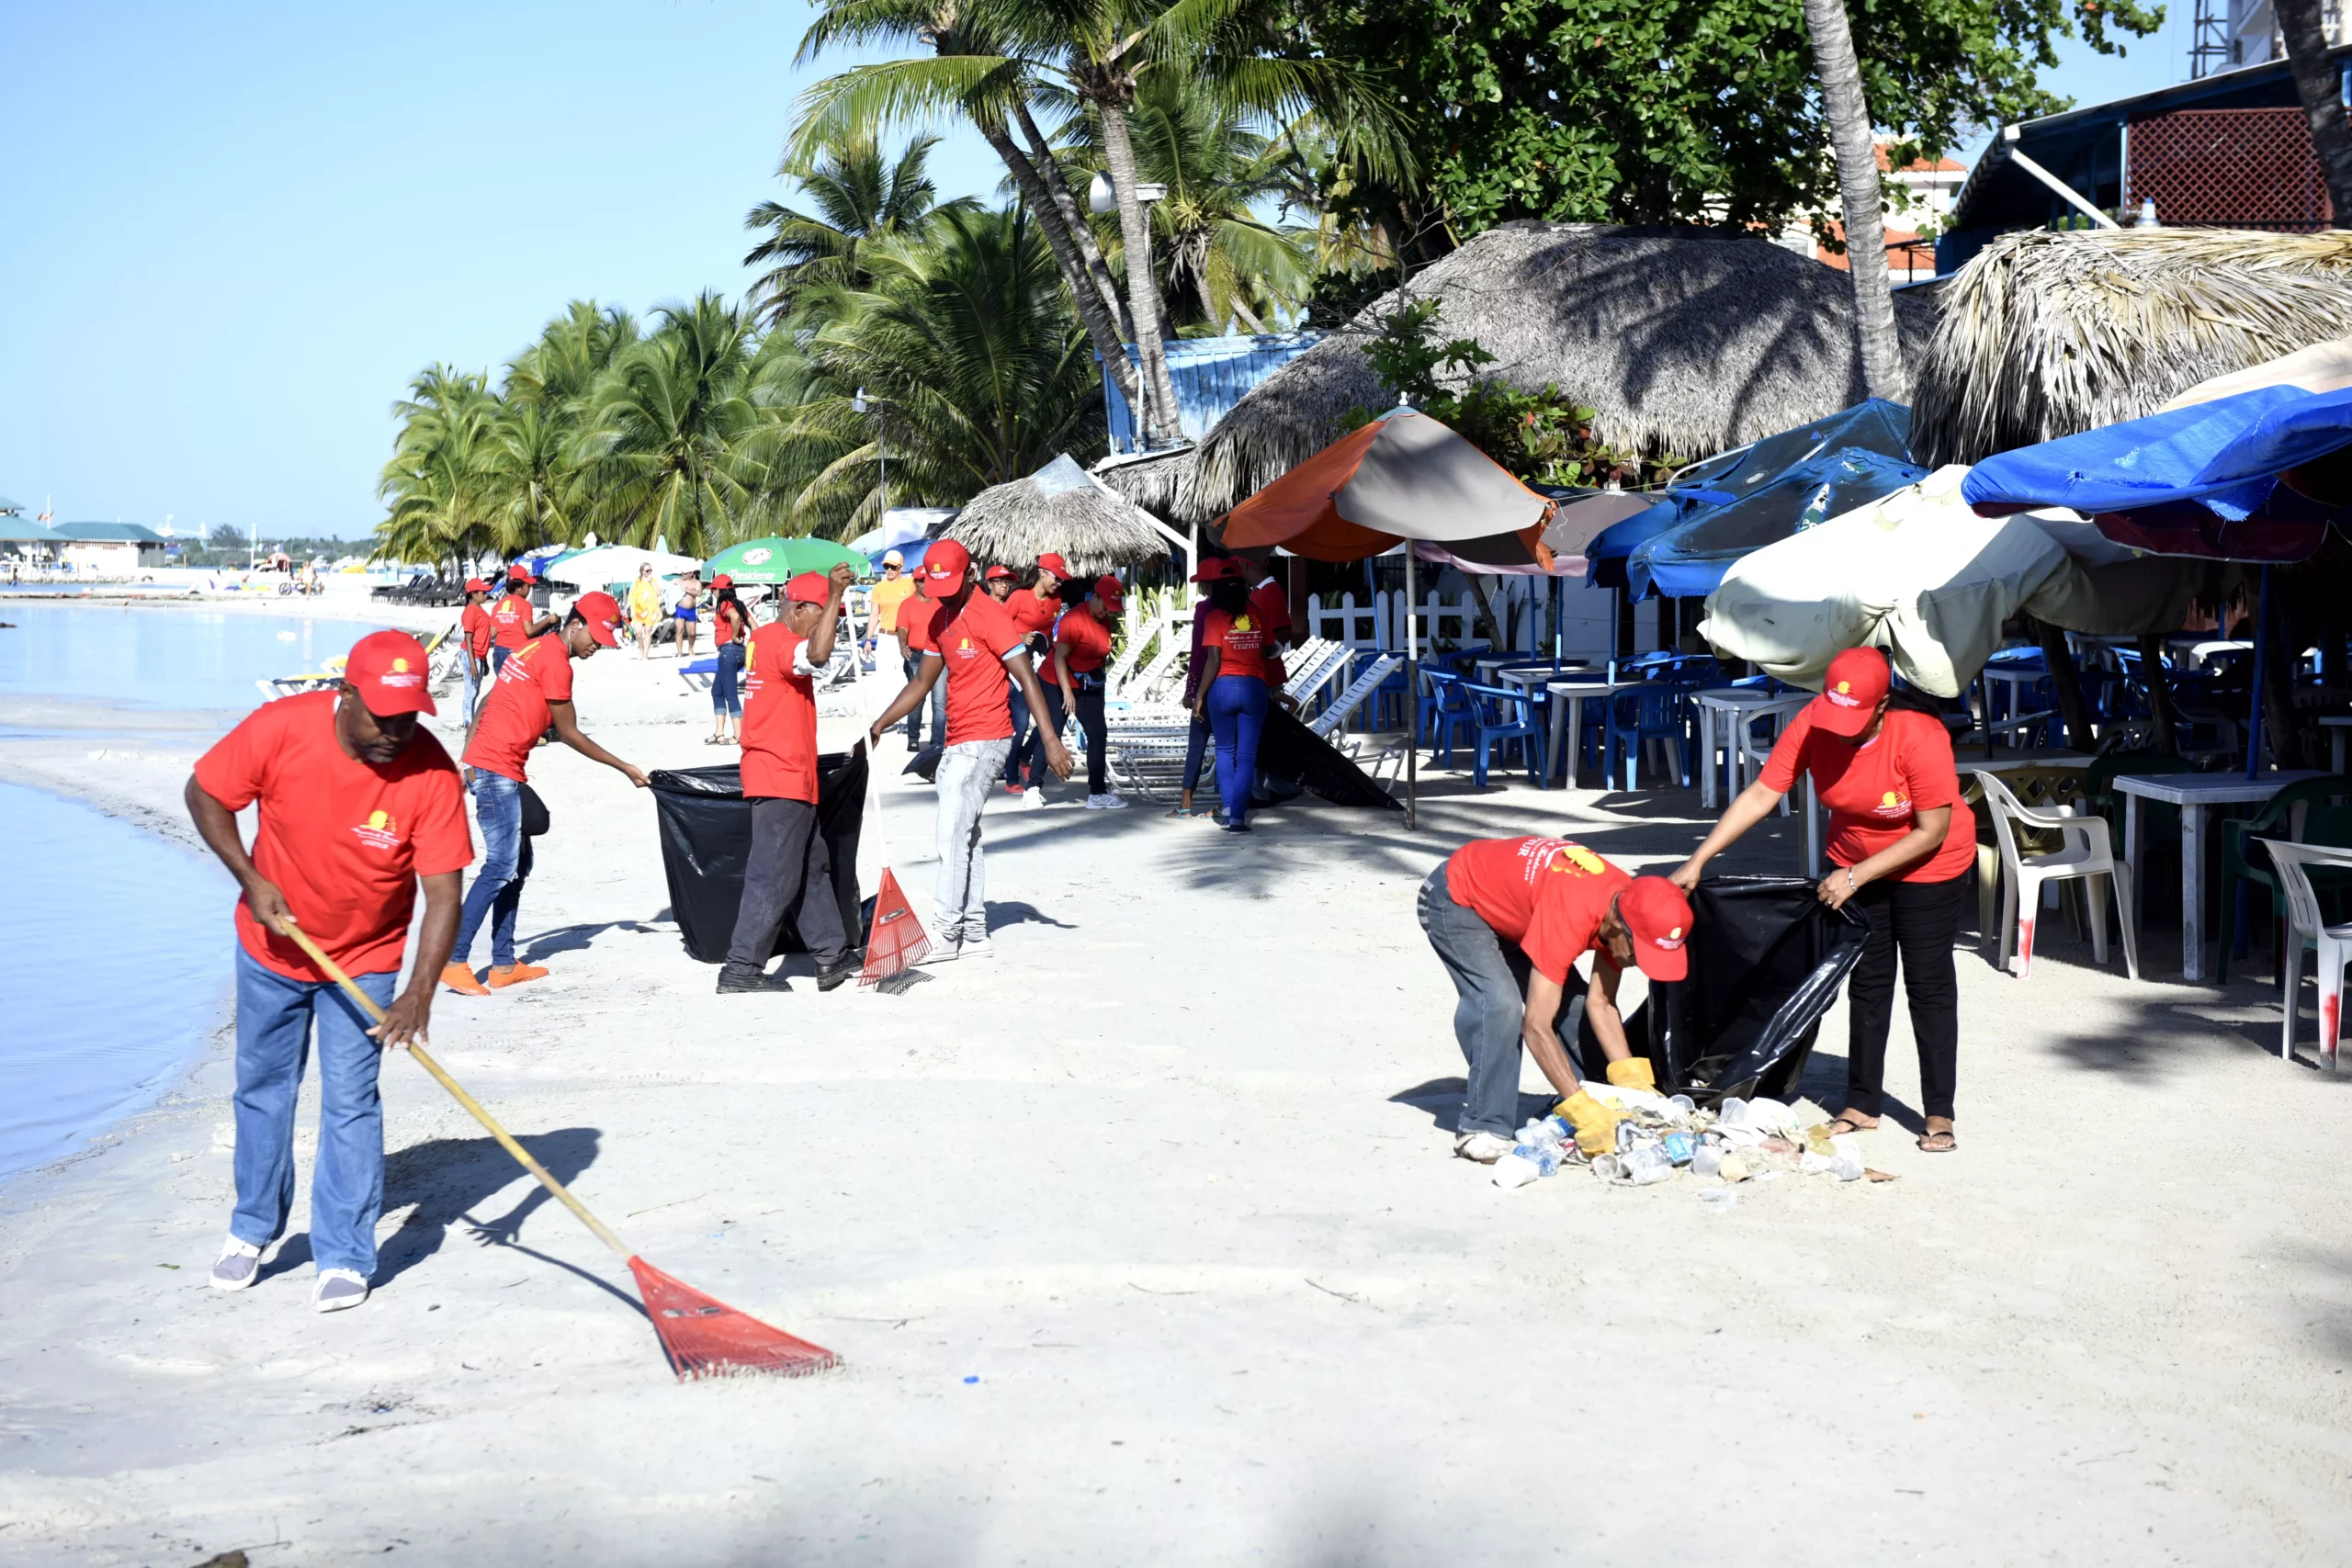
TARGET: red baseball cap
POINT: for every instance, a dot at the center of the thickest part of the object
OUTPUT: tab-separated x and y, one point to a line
1054	563
996	574
1850	691
809	588
1657	914
476	585
1110	590
1216	568
602	615
722	580
942	568
389	668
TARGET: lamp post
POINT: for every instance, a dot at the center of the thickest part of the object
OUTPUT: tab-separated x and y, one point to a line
881	447
1102	199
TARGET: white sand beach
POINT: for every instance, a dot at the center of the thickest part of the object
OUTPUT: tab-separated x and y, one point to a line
1141	1244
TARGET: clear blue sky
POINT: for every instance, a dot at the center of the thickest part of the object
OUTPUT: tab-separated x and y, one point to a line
238	230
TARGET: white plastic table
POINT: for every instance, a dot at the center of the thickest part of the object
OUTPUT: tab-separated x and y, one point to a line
1568	698
1741	705
2193	793
2019	680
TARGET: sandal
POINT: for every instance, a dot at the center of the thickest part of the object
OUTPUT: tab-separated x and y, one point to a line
1848	1124
1182	811
714	740
1940	1142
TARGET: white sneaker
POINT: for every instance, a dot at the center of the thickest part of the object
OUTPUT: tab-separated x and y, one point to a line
338	1290
1106	802
238	1267
942	949
976	945
1484	1148
1033	799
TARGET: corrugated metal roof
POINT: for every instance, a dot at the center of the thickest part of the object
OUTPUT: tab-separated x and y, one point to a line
106	534
1210	374
8	505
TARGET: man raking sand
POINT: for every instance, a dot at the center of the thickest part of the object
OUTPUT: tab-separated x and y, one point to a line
357	804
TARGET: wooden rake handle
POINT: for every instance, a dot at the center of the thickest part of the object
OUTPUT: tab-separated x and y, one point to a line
366	1004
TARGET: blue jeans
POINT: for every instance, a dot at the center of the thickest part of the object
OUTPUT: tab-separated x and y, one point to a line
724	699
1237	714
1489	974
1022	735
274	1019
498	657
505	866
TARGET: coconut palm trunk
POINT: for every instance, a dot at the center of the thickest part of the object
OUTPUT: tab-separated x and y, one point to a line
1884	373
2316	86
1143	288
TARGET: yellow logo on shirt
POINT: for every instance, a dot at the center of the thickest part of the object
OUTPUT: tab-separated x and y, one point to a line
1242	623
1583	859
380	831
1894	803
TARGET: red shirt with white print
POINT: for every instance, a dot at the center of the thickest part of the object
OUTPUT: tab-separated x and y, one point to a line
1547	895
1874	790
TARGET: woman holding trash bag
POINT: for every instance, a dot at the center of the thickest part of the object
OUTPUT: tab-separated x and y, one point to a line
1902	843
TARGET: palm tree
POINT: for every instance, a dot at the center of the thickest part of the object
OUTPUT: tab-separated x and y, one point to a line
535	483
970	358
438	482
1883	372
672	426
858	196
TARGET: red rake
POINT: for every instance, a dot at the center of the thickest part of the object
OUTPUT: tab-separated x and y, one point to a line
896	943
703	1336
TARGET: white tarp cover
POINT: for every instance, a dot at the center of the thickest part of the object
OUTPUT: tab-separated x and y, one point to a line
1919	574
616	563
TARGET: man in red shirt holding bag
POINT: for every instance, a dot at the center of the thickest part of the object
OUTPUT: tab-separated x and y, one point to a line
1513	915
789	871
966	639
357	804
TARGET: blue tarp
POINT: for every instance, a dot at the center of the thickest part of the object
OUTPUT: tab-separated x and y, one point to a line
1718	511
2223	459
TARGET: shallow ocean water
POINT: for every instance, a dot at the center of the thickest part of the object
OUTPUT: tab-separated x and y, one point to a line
159	658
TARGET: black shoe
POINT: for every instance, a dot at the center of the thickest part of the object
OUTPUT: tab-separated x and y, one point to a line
833	977
731	980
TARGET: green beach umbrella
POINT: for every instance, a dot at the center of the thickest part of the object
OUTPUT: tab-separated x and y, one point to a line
774	559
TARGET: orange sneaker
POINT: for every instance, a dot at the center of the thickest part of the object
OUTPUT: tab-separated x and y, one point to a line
514	974
458	977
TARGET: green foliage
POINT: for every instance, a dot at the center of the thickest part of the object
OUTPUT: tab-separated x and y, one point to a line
1647	111
1543	437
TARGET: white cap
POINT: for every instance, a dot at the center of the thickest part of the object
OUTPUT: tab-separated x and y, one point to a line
892	558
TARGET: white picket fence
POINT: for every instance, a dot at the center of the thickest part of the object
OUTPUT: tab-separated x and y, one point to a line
1522	604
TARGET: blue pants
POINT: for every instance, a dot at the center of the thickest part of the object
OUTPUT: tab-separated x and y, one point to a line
506	865
274	1019
724	698
1236	715
1020	735
498	657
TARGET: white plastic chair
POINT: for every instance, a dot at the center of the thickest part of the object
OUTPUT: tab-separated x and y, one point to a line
2333	944
2085	853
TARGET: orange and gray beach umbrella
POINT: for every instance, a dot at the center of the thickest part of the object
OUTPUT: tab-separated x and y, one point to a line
1404	476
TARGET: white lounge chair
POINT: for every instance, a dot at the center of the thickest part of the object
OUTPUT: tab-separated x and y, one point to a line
2332	944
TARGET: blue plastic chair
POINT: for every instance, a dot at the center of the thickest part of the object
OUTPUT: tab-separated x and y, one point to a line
1500	717
1446	709
1639	715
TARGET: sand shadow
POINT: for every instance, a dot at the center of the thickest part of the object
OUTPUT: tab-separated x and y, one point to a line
443	1182
575	939
1001	915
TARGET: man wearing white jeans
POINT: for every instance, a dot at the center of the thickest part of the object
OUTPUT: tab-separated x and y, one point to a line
966	639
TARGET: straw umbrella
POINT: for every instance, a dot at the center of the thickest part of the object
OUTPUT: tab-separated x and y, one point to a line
2049	334
1682	340
1063	508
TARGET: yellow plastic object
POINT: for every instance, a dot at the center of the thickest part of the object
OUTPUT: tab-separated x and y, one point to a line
1596	1124
1634	1072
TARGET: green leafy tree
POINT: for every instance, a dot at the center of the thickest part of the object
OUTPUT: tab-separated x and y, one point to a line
437	486
857	195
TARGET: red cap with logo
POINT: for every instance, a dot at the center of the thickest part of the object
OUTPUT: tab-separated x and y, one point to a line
1113	594
1053	562
389	669
1216	568
1850	691
809	588
1657	914
996	574
942	570
476	585
601	614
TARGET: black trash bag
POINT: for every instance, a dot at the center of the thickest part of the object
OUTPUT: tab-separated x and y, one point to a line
1288	750
1767	958
706	836
924	764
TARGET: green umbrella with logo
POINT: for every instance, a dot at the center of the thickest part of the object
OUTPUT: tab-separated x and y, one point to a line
774	559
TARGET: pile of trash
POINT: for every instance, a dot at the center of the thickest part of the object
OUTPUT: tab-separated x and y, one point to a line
1662	1137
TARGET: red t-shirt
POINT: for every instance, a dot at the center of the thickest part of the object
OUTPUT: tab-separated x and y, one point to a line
514	714
1872	791
779	718
1547	895
475	623
1241	639
974	641
344	841
724	619
1088	639
1029	612
1270	607
510	620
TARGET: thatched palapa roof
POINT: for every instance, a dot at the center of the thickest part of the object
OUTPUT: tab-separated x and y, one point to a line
1153	481
2049	334
1683	339
1060	507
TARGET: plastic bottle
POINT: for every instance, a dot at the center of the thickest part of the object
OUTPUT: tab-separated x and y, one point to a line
1544	1157
1646	1163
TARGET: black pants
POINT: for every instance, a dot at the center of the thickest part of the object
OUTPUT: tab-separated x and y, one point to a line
1921	919
1090	720
789	871
1022	735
